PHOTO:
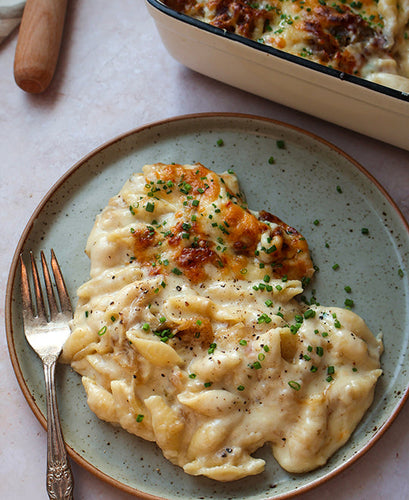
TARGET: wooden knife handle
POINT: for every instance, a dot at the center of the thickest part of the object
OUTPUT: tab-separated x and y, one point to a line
38	43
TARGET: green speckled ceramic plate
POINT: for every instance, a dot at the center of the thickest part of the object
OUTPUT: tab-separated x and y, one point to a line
302	179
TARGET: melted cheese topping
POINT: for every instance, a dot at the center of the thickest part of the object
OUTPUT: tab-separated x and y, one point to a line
188	332
367	38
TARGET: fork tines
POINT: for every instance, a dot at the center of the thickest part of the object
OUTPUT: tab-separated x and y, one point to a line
36	301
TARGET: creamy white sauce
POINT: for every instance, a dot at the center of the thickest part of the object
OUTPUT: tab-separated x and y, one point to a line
248	365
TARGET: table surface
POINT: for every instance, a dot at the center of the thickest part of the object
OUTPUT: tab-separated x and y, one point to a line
115	75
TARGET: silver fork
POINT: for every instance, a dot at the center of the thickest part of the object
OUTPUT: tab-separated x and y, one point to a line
46	329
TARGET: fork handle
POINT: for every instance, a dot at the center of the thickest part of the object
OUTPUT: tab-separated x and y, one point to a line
59	476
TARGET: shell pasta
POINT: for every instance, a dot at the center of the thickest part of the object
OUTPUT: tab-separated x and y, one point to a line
188	332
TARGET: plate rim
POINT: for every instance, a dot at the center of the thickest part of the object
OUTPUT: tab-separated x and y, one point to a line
13	272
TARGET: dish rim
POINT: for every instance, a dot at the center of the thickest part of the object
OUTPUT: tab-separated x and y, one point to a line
320	68
13	273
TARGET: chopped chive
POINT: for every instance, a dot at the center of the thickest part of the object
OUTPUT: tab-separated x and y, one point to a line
185	187
102	331
212	347
150	207
240	388
139	417
309	313
294	328
294	385
256	365
264	319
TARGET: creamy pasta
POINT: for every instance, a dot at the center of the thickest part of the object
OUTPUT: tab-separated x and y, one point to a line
188	332
367	38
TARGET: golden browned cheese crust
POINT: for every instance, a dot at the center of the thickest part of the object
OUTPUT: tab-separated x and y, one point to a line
363	38
227	240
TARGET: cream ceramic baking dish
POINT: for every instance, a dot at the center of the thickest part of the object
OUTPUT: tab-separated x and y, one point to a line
360	105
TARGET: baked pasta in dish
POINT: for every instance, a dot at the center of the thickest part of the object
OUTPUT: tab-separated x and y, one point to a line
188	332
366	38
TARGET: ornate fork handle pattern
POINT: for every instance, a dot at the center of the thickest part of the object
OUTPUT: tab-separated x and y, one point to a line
60	482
